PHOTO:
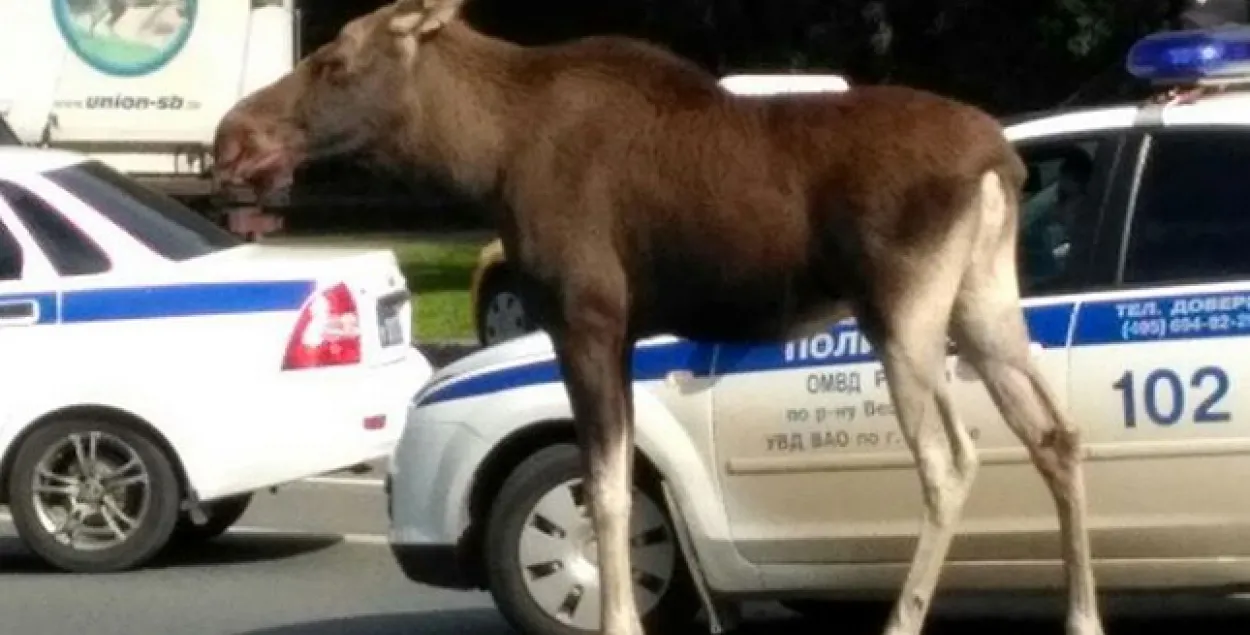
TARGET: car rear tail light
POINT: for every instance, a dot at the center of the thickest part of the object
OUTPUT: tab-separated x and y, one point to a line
327	332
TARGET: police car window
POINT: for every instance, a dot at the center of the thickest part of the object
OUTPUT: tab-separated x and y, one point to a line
10	255
7	136
71	252
154	219
1053	213
1191	221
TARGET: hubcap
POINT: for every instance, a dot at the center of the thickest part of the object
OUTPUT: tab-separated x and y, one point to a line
559	557
91	491
505	317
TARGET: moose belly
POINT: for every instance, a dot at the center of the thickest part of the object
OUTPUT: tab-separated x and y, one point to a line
702	303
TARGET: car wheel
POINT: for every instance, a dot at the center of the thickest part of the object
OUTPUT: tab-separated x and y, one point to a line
501	313
222	515
93	496
540	553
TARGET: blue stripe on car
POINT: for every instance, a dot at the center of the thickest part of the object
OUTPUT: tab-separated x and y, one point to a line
183	300
166	301
1186	316
1128	320
650	362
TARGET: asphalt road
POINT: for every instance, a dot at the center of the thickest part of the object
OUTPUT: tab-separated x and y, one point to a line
311	560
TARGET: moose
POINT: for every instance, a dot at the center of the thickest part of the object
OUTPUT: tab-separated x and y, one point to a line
637	197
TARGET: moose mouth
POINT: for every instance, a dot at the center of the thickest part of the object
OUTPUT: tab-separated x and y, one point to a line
265	174
258	166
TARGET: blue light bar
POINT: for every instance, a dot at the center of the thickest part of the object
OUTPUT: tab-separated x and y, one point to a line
1218	54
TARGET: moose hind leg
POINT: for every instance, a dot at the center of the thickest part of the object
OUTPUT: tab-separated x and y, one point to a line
913	354
990	330
594	361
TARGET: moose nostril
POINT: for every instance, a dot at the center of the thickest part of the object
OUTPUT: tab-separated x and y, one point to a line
227	153
233	144
232	133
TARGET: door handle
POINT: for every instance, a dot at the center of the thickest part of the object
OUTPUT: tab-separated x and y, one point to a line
18	312
678	378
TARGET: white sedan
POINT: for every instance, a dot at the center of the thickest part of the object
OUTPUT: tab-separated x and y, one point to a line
777	470
158	370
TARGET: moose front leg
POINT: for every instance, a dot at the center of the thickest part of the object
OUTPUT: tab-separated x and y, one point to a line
594	360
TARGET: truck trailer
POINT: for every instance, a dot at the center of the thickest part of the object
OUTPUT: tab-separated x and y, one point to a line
140	84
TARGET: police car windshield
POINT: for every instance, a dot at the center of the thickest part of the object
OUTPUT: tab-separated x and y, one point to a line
154	219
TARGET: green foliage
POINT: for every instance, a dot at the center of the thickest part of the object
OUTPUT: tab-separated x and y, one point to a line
1084	24
438	268
1005	55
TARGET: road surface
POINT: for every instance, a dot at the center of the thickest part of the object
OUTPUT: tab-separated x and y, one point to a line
312	560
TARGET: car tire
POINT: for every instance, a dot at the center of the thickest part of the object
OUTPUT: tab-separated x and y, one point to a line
121	454
536	481
501	313
222	515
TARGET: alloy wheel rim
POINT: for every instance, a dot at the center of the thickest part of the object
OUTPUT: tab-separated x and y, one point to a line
91	491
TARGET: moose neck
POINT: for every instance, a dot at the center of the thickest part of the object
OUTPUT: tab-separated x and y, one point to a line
464	95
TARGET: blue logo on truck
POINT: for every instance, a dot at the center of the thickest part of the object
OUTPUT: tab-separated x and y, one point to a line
125	38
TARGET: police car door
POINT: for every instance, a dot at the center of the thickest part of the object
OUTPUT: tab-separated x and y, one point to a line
815	468
28	307
784	416
1162	363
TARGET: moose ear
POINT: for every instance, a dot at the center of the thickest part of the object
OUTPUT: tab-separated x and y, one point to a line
439	13
423	16
407	16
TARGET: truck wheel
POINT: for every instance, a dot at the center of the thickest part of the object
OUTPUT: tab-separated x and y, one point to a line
540	553
93	496
222	515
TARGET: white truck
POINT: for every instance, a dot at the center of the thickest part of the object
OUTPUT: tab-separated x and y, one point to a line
139	84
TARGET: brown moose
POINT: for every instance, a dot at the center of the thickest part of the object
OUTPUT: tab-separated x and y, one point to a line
637	197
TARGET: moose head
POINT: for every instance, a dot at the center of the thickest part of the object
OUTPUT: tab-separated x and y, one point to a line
354	94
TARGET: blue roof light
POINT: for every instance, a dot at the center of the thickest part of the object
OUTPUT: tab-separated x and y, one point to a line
1218	54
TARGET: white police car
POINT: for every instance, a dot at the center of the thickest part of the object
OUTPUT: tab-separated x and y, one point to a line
777	470
156	370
